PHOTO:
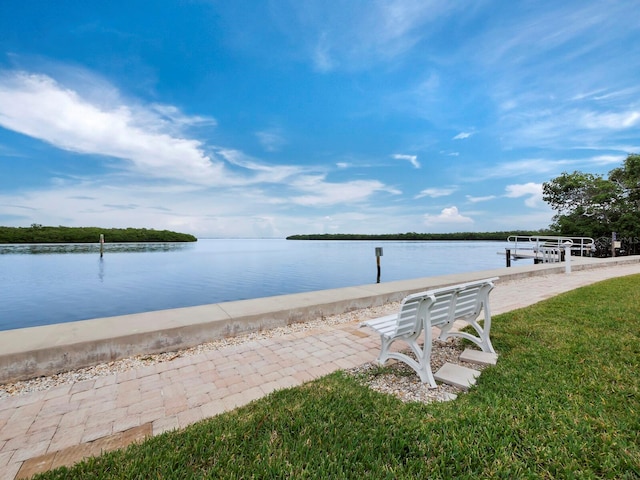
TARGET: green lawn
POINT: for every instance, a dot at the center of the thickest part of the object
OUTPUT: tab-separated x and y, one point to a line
563	402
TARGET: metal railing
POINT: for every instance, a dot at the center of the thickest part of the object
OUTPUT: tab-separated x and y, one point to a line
548	248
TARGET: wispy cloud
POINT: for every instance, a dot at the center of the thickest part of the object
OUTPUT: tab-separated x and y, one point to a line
436	192
556	76
256	172
524	167
610	120
562	125
413	159
549	30
174	118
610	159
319	192
352	35
485	198
462	135
272	140
550	166
321	55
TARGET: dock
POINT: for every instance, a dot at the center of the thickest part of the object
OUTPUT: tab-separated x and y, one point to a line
547	248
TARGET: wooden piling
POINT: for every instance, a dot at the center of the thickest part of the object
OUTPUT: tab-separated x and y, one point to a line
508	257
101	245
378	255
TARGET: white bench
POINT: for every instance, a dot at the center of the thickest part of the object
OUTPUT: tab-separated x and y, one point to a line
441	307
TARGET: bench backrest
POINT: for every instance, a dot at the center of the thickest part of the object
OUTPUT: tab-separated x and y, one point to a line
442	305
458	302
411	314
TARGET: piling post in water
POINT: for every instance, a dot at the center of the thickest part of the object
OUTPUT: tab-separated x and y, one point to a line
101	245
378	255
508	256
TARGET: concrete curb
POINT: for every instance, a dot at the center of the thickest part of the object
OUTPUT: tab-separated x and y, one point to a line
31	352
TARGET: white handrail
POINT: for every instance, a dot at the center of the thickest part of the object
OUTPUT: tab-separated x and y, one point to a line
549	246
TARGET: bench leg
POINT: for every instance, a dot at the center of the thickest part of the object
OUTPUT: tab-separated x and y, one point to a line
482	340
423	355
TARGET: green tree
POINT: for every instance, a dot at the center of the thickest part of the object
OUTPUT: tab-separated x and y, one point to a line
627	178
591	205
43	234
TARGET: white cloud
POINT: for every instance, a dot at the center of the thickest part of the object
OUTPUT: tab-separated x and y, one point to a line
148	138
259	172
524	167
480	199
175	117
447	216
413	159
436	192
560	124
533	192
37	106
550	167
319	192
462	135
610	120
609	159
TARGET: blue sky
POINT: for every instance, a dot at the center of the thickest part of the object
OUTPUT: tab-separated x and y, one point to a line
270	118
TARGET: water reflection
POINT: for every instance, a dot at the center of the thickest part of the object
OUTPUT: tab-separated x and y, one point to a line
101	269
57	248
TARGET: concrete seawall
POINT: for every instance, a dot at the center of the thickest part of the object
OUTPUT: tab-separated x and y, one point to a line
32	352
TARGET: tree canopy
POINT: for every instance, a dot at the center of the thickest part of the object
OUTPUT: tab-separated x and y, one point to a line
594	206
409	236
37	233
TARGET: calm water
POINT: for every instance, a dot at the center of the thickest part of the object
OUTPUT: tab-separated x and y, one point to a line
46	284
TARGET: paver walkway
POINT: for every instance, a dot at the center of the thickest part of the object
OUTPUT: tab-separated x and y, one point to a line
43	430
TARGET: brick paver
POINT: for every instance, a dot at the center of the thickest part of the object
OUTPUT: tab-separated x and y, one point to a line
44	430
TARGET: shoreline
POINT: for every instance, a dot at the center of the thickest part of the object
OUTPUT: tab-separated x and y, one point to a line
60	425
144	360
46	351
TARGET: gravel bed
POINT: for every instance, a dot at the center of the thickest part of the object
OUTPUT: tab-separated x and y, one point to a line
397	379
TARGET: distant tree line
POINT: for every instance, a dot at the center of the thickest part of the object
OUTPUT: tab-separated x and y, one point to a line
420	236
37	233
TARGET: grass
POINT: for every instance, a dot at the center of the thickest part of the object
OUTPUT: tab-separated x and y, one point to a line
563	402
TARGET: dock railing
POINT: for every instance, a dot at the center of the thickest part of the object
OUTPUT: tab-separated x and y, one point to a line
548	248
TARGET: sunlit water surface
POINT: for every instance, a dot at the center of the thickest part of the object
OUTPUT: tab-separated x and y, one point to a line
47	284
